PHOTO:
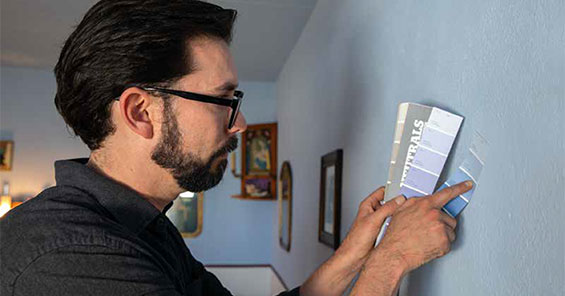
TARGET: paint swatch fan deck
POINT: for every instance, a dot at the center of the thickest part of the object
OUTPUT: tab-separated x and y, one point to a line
423	140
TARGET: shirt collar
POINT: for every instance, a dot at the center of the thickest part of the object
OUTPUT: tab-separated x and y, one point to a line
126	205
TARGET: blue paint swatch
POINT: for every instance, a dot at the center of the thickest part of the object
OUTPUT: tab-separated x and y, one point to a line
470	169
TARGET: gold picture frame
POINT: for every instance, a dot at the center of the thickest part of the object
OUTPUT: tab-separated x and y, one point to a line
6	155
285	206
186	214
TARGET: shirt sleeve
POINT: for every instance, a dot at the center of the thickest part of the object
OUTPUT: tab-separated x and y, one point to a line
293	292
93	270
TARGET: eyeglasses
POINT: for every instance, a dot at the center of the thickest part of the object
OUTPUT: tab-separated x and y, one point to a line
234	103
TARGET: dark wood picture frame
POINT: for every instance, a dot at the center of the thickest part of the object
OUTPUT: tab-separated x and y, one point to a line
329	233
285	196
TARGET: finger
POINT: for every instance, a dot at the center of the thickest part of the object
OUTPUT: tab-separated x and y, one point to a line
372	202
387	210
449	221
442	197
450	233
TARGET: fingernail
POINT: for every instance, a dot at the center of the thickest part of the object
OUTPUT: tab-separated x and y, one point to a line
399	200
469	183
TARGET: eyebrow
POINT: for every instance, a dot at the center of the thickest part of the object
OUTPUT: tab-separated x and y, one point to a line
228	86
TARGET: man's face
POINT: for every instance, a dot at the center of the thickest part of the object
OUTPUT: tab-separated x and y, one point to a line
195	140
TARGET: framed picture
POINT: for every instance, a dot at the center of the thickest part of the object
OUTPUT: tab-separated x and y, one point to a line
285	206
259	162
186	213
330	199
258	152
6	155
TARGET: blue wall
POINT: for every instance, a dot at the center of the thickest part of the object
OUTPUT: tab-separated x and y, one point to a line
498	63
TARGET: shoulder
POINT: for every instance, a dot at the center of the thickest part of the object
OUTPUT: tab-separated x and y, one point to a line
59	218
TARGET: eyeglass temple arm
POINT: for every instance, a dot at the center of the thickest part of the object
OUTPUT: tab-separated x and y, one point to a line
193	96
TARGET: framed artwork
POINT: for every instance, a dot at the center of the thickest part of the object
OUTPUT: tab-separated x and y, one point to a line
285	206
6	155
186	213
259	162
330	199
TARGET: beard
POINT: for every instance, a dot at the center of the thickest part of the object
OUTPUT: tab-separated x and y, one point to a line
189	171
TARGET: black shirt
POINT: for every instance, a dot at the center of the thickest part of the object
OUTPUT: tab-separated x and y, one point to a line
90	235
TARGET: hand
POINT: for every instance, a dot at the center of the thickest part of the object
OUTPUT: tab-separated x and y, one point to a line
333	277
420	231
361	238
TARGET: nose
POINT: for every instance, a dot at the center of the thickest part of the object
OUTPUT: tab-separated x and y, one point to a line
240	124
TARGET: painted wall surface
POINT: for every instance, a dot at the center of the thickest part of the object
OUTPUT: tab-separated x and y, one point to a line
28	117
234	231
498	63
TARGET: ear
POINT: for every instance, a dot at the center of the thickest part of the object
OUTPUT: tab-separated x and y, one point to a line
134	110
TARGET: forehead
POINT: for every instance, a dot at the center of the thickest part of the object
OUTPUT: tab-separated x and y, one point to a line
212	65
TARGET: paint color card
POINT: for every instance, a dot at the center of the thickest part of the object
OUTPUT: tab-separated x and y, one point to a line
470	169
411	120
431	161
437	139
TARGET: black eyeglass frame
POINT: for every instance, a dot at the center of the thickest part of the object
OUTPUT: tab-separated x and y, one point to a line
234	103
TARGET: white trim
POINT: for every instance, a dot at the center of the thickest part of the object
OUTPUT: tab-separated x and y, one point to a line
424	170
476	156
447	212
432	150
464	198
415	189
441	131
468	174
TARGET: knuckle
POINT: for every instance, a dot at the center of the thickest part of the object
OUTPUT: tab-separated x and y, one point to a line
444	245
410	202
426	202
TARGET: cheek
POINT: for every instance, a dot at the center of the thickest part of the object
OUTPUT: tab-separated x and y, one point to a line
203	132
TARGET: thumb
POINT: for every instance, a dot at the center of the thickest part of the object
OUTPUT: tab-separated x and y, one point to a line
387	209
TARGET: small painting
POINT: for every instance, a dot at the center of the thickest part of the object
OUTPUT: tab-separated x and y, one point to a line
258	150
186	213
6	155
258	187
330	199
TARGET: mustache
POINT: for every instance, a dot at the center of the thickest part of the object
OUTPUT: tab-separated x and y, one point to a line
231	145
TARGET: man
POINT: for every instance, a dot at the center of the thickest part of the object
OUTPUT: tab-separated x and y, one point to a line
150	87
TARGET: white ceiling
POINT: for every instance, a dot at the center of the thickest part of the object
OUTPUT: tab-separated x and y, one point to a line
33	31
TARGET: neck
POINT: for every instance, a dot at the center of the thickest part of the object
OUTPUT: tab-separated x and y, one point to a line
152	182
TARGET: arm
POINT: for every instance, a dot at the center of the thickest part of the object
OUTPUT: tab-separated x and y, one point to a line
93	270
418	233
333	277
405	247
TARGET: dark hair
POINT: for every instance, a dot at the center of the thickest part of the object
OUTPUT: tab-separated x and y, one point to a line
124	42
